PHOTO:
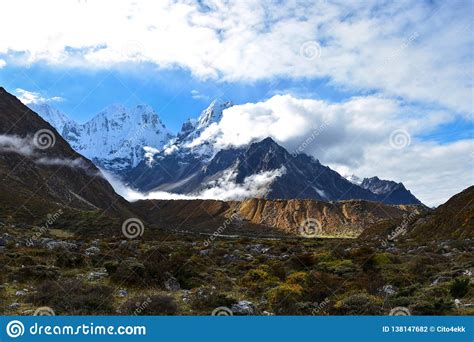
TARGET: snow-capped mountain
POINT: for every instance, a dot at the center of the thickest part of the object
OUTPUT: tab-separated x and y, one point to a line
55	117
135	145
115	138
193	128
354	179
392	192
262	169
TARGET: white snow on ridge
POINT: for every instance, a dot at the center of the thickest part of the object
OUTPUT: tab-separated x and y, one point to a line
115	138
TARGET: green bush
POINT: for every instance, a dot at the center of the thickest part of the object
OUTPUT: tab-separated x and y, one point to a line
338	266
156	305
130	272
359	304
259	279
74	297
208	297
70	260
285	298
460	287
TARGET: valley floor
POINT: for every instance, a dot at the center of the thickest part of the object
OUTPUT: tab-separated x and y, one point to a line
182	274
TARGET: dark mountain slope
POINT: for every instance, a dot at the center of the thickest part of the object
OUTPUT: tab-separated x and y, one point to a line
288	176
36	179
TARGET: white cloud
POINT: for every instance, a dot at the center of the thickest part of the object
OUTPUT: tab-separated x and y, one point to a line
197	95
355	137
254	186
15	144
27	147
31	97
418	50
224	188
2	63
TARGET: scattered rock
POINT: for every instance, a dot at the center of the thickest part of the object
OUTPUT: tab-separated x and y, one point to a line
20	293
96	275
388	290
186	296
122	293
172	284
205	252
91	251
14	305
243	307
61	245
257	249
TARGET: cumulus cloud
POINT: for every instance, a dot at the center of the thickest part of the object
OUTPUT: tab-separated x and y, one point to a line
2	63
420	51
356	136
31	97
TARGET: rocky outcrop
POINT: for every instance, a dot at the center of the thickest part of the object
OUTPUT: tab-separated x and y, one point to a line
308	218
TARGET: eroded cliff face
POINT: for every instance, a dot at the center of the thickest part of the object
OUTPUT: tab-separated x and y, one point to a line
345	218
308	218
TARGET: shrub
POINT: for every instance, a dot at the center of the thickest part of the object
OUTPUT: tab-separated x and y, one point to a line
69	260
321	285
259	279
285	299
432	300
129	272
208	297
298	278
376	261
338	266
156	305
74	298
460	287
37	272
111	266
359	304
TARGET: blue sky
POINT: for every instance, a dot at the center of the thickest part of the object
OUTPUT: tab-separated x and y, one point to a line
372	69
175	94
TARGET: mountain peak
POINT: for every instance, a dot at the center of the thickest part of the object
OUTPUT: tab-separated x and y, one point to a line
213	113
55	117
115	138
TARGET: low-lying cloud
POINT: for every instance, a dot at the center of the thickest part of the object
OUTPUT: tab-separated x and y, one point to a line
225	188
26	147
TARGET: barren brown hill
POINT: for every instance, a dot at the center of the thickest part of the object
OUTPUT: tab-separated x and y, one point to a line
452	220
270	217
